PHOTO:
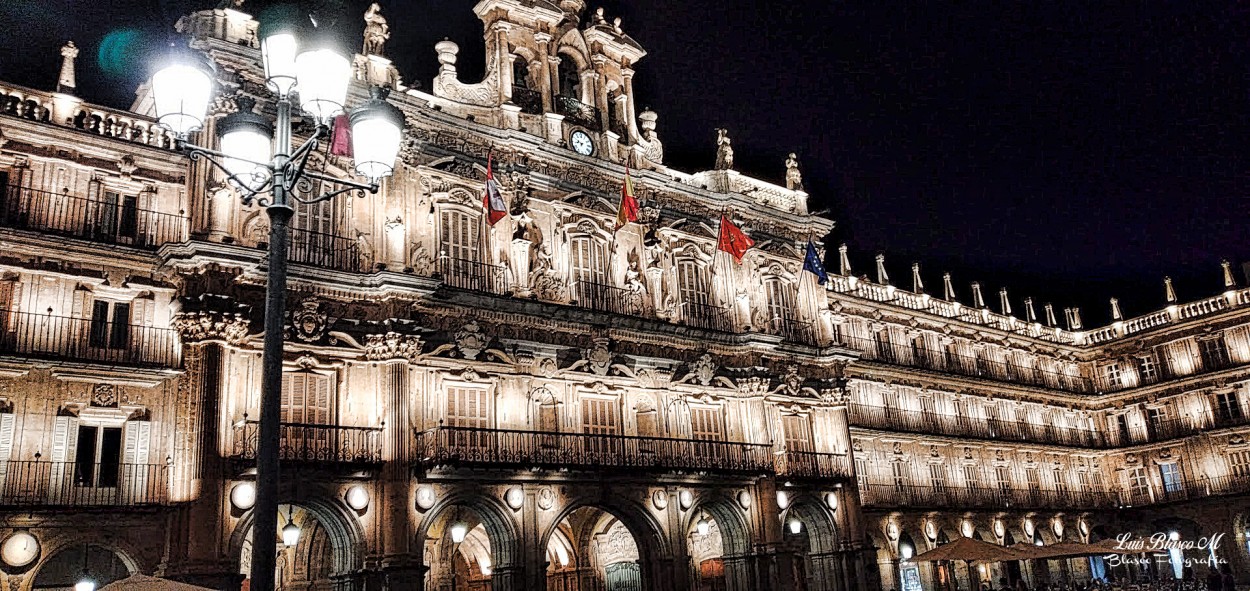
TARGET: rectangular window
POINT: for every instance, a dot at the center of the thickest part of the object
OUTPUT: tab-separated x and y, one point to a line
460	239
306	398
97	461
1171	475
600	416
1111	374
1032	478
972	476
707	423
466	407
901	472
1138	482
118	217
692	282
110	325
1214	353
861	474
1082	481
1061	481
937	477
1148	369
798	433
1121	421
1002	475
1227	407
780	297
1239	463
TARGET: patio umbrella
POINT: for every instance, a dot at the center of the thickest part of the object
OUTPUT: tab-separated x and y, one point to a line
967	549
142	582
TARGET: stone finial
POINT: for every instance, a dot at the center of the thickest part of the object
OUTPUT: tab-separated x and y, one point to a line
573	9
376	30
600	18
1050	315
67	82
844	262
1076	319
977	299
1229	282
724	150
447	51
1004	302
948	288
917	285
616	26
1168	292
1029	314
794	178
1115	310
882	277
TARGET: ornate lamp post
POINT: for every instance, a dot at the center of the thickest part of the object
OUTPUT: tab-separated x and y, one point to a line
182	89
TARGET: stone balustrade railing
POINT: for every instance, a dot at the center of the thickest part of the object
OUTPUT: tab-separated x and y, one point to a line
70	111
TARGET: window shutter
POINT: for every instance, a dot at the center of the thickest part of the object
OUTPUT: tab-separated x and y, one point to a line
136	437
320	414
143	311
10	298
8	421
64	449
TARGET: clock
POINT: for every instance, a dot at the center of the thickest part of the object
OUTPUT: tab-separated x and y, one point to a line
581	142
19	549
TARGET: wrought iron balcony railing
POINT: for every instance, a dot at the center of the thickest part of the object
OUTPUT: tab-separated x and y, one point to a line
608	298
578	113
68	484
313	443
537	449
944	360
45	336
530	101
981	497
806	464
793	329
108	219
911	421
472	275
707	316
329	251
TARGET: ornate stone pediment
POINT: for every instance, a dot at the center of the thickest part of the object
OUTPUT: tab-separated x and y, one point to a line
392	345
196	327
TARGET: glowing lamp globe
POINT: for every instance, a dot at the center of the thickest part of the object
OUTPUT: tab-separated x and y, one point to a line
322	74
182	87
796	526
246	138
377	128
278	47
84	585
458	532
703	526
290	534
357	498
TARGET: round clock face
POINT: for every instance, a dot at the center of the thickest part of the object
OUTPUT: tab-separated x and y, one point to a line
19	549
582	143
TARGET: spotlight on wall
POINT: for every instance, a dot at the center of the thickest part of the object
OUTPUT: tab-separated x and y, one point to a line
831	499
357	498
744	499
243	495
515	497
686	498
783	499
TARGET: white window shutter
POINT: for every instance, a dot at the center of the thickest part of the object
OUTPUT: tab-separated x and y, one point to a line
8	421
136	436
64	448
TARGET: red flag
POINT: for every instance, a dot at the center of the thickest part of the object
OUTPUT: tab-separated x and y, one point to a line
341	137
628	211
492	200
732	240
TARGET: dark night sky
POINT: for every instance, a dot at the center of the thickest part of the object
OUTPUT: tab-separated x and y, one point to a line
1071	151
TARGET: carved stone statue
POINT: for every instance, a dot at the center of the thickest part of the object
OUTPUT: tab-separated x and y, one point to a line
66	82
376	30
724	151
794	178
653	149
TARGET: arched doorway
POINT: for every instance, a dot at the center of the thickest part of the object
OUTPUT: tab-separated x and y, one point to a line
614	548
316	541
809	528
908	570
88	563
717	540
468	543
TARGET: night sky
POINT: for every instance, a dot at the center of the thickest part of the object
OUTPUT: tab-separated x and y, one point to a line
1071	151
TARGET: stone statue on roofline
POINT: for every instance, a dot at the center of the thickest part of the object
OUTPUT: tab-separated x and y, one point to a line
724	151
794	178
376	30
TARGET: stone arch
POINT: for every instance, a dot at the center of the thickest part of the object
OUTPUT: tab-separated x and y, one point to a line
54	547
500	528
648	534
343	529
735	531
821	566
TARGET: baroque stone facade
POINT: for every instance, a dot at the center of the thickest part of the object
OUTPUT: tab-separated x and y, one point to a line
550	402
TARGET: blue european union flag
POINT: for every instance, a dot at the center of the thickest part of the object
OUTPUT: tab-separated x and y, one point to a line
813	265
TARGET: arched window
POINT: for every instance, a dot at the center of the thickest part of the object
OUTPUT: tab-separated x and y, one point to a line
570	79
520	72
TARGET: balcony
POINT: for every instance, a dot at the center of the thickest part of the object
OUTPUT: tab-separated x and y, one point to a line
578	113
530	101
608	298
910	421
67	484
473	276
45	336
707	317
328	251
821	466
109	219
979	497
463	446
301	442
794	330
943	360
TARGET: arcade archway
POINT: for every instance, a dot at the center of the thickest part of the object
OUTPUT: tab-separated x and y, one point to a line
70	565
317	540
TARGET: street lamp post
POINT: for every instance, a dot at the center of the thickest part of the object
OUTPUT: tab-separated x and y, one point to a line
181	91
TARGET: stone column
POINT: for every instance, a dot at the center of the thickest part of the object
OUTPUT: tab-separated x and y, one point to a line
401	563
554	70
520	260
631	115
774	567
533	556
545	64
503	58
601	89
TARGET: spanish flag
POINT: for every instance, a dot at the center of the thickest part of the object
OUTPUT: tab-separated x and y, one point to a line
628	211
492	200
732	240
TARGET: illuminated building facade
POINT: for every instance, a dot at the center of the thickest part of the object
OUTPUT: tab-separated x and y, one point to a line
548	402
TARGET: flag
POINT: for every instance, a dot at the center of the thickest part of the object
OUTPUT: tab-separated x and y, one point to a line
732	240
492	200
628	211
813	265
341	137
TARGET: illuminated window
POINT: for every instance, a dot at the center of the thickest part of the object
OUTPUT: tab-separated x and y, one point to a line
1148	368
861	474
1170	473
600	416
1239	463
901	472
1032	478
1111	373
797	432
779	297
466	407
305	398
1082	481
707	423
586	265
1002	474
460	236
1061	481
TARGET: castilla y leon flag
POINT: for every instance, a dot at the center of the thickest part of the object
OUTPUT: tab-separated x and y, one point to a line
732	240
341	137
628	211
496	209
